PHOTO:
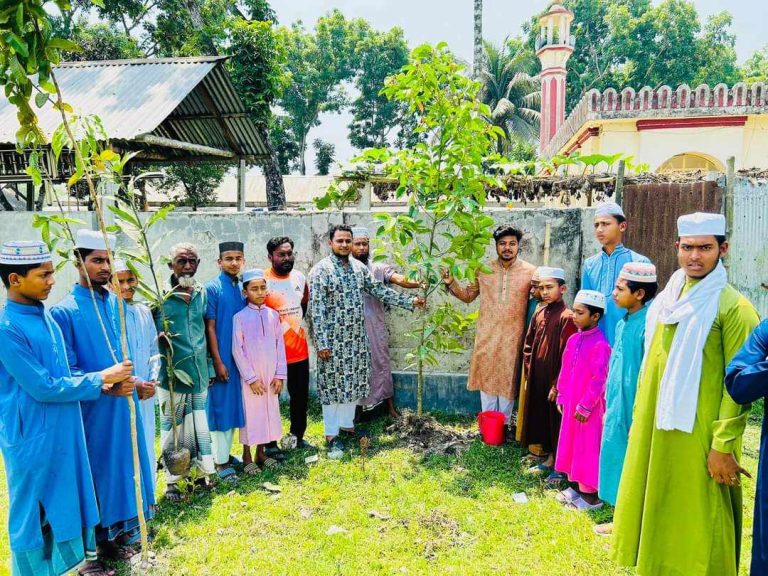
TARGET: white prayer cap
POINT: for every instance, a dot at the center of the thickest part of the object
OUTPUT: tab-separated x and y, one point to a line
547	272
121	265
609	209
590	298
93	240
701	224
253	274
360	232
535	277
21	252
639	272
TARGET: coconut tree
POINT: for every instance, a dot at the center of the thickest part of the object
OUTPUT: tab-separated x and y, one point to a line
511	90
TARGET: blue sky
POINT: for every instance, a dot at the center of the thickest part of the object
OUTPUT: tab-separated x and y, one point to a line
451	20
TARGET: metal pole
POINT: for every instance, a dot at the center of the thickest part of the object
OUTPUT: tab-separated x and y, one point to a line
241	185
619	195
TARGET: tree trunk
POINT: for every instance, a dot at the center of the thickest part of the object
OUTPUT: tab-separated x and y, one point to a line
302	152
478	62
272	174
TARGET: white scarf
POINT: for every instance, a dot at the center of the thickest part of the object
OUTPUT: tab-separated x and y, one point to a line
694	314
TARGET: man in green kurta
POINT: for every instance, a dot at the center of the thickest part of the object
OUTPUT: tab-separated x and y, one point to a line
679	504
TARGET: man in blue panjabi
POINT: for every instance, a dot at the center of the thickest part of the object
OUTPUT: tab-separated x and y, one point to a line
601	271
53	508
88	318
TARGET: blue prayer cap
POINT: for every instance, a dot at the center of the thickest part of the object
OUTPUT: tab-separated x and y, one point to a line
24	252
253	274
609	209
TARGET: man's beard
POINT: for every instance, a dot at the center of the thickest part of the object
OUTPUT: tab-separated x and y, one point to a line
185	282
284	268
363	257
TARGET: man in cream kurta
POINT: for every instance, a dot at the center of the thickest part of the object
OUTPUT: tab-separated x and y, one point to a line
504	292
679	504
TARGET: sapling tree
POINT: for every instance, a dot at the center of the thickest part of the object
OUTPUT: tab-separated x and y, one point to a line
443	181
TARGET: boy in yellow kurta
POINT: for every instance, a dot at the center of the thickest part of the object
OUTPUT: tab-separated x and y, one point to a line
679	504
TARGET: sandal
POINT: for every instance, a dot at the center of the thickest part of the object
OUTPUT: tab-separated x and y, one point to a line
356	433
95	568
556	478
270	464
581	504
252	469
567	496
227	475
172	494
115	551
539	470
531	459
275	453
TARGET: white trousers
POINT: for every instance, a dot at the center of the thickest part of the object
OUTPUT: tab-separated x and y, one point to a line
491	402
221	445
336	416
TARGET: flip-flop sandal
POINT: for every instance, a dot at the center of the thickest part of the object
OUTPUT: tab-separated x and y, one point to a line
227	475
172	494
270	464
119	552
566	496
95	568
556	478
275	453
252	469
356	433
581	504
235	462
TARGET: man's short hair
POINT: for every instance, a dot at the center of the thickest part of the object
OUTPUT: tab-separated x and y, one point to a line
619	218
183	247
506	230
82	253
21	269
720	240
651	288
276	242
339	228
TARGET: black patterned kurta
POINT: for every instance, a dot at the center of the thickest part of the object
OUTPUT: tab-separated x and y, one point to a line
336	308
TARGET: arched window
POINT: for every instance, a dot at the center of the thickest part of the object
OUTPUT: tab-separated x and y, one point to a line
691	161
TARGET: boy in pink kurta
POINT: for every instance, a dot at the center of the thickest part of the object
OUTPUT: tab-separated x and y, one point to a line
259	352
581	401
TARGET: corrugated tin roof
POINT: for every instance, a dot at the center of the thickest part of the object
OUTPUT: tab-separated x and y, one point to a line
161	96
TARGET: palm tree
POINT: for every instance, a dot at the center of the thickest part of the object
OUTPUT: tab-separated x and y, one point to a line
478	61
512	91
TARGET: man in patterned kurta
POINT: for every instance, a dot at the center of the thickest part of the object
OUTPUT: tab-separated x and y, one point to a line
336	287
382	386
504	292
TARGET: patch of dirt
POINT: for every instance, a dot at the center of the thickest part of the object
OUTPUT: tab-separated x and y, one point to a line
444	533
425	435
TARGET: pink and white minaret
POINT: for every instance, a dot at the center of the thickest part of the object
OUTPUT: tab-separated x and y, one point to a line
554	48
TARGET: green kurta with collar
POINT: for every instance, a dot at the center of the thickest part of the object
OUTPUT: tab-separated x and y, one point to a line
671	518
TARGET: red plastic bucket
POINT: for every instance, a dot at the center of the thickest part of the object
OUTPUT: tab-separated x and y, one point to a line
491	426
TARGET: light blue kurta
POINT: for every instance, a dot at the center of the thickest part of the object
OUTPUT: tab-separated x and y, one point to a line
142	342
225	399
620	391
106	419
600	273
41	430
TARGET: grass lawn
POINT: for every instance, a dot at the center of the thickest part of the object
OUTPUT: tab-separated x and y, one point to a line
441	515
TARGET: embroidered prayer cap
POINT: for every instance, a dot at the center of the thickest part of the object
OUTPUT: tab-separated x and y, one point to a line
638	272
609	209
253	274
360	232
701	224
93	240
536	277
121	265
590	298
23	252
548	272
231	247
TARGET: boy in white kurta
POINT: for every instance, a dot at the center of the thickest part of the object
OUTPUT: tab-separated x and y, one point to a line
259	352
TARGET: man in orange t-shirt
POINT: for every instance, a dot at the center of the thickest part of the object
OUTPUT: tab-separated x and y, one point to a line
289	296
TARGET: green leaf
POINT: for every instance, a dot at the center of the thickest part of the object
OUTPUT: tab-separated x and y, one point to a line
125	216
183	377
40	99
64	44
18	45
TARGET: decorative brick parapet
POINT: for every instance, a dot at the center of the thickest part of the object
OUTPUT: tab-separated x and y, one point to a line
662	102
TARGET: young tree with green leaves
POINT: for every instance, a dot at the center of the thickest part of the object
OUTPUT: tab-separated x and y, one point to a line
193	185
443	182
755	69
